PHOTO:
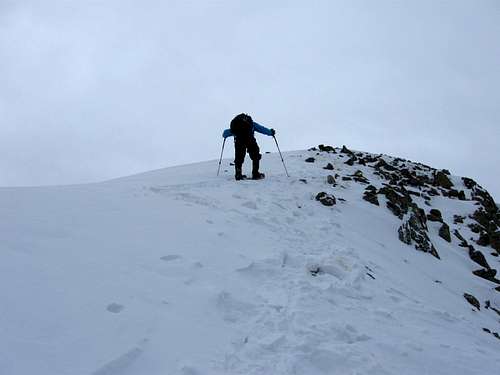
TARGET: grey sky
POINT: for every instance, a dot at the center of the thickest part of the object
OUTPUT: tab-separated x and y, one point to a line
91	90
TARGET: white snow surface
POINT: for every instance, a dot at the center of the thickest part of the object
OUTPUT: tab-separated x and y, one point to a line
178	271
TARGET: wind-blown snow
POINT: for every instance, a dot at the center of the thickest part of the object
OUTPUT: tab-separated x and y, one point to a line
178	271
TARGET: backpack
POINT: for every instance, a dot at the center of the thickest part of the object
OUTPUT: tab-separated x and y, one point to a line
242	126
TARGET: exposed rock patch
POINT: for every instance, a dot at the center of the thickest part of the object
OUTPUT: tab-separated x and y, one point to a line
326	199
435	215
414	230
444	232
370	195
472	300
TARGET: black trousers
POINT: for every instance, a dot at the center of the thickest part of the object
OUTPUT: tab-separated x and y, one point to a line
244	145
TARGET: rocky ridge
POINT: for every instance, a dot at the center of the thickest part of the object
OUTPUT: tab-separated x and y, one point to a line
413	192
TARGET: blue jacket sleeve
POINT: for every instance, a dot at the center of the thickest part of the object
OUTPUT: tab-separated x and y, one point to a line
227	133
261	129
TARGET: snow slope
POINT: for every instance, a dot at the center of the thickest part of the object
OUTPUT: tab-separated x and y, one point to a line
178	271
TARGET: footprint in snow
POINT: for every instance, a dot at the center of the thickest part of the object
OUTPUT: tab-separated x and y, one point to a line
120	364
115	308
250	204
169	258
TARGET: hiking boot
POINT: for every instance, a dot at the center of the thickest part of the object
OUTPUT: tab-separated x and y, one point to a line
238	175
258	176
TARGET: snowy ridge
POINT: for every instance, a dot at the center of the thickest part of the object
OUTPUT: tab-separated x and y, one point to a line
177	271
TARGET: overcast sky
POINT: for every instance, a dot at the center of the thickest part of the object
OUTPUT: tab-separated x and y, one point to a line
91	90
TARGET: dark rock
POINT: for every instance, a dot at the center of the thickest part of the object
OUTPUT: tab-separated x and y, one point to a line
469	182
383	164
351	161
458	219
488	274
310	160
414	230
484	198
463	242
433	192
345	178
329	167
358	177
482	217
435	215
478	257
370	195
442	180
303	180
358	173
326	148
472	300
330	179
495	241
398	201
345	150
444	232
475	228
312	149
484	239
326	199
452	193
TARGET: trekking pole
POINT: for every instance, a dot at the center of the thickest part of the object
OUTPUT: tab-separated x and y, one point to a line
222	152
281	156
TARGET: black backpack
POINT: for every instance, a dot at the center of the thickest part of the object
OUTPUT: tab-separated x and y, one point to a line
242	126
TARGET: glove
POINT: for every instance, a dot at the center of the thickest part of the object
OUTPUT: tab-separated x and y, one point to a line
273	132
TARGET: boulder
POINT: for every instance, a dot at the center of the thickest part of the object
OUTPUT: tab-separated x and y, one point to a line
441	179
478	257
444	232
472	300
495	241
330	179
484	239
475	228
329	167
345	150
358	177
435	215
463	241
310	160
326	199
370	195
414	230
469	182
488	274
351	161
326	148
398	200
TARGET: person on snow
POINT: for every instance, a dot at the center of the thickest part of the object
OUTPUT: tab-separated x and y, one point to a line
243	128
